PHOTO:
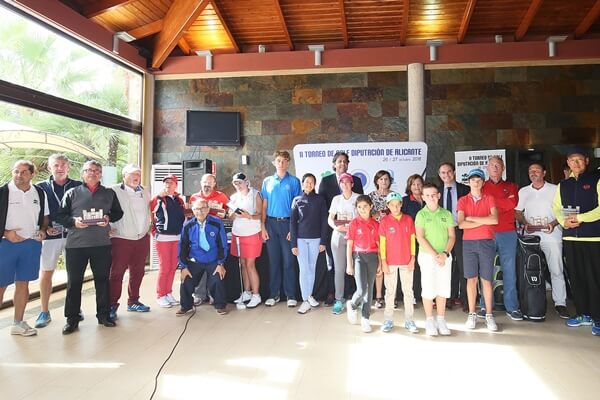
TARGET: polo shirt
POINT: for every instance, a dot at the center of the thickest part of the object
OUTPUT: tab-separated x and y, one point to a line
435	225
279	193
24	210
397	239
344	209
217	202
365	234
537	204
506	197
472	207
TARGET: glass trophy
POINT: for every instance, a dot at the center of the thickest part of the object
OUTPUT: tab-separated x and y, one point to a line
93	217
537	224
59	228
342	219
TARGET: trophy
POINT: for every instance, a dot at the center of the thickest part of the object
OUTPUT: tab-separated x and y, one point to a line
59	228
342	219
537	224
93	217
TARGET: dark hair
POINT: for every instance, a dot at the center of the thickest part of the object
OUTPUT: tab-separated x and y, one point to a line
539	163
364	198
337	155
30	166
309	175
379	174
448	163
430	185
410	181
281	153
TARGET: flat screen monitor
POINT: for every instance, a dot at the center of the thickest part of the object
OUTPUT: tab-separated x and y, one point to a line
213	128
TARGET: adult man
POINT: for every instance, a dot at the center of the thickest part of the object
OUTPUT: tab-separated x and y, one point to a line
23	222
449	193
55	187
506	197
278	191
534	212
130	240
329	188
576	207
86	212
217	202
476	216
202	251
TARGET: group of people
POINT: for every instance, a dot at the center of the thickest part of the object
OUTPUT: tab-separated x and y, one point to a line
440	241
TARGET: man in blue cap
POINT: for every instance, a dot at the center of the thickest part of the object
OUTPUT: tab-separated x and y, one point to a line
577	210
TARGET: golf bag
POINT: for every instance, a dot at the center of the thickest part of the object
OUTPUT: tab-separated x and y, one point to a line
530	278
498	285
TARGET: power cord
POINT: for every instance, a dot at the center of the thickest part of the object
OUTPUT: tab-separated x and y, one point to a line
170	354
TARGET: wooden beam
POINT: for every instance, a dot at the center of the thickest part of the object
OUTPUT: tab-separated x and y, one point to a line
404	27
288	39
184	46
589	20
179	18
534	6
344	25
464	24
147	30
220	16
100	7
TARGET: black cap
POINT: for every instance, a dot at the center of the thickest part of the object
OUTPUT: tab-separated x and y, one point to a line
238	177
576	150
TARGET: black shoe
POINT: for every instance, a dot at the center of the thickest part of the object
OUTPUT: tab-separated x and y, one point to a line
107	322
81	317
70	327
329	300
562	312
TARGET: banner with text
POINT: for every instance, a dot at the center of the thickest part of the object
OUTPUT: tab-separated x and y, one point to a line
401	159
468	160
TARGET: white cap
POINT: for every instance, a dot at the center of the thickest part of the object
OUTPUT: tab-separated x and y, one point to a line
129	168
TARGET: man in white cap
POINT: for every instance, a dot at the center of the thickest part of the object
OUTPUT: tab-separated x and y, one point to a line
130	240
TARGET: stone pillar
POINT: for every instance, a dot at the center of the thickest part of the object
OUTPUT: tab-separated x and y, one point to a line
147	129
416	103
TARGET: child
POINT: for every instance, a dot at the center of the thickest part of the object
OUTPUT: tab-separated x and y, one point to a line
397	253
362	249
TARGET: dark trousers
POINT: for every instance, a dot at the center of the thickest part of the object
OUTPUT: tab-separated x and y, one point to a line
584	274
216	286
281	261
77	260
458	282
128	254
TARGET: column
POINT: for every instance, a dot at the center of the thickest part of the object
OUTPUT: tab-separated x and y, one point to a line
416	103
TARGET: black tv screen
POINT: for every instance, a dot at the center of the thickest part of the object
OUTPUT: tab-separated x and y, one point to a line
213	128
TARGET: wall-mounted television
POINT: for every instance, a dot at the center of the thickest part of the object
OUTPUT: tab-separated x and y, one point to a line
213	128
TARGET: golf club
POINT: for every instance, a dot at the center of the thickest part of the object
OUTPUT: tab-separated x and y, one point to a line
240	305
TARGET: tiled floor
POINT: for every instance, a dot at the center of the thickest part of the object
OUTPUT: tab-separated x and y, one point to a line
274	353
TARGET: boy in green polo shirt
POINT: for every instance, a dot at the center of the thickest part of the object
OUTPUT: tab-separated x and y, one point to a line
434	226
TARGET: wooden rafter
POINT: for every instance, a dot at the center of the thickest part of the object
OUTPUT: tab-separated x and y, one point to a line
147	30
283	25
344	25
100	7
184	46
534	6
464	23
179	18
220	16
404	27
588	20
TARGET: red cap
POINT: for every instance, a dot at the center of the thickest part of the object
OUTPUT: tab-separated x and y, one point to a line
346	176
172	177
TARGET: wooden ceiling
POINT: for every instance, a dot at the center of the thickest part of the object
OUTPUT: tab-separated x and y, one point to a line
180	27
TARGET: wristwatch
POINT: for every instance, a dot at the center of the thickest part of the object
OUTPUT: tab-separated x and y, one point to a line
446	253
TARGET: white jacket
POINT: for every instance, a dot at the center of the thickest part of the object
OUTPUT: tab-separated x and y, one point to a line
126	227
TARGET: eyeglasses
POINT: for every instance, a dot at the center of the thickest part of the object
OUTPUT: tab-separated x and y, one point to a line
93	171
199	208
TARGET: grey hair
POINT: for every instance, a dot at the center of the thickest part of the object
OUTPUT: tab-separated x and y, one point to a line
89	163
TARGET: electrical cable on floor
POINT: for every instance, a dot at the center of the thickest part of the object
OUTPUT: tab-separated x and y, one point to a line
170	354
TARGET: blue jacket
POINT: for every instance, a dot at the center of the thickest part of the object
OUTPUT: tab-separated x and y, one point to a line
309	218
55	198
189	245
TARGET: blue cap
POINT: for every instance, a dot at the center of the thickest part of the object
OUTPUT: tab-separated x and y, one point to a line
476	172
576	150
393	196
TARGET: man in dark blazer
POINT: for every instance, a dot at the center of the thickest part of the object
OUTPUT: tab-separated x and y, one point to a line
450	192
329	188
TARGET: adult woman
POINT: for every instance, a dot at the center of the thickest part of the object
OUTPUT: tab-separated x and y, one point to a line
168	209
246	211
383	181
412	203
308	232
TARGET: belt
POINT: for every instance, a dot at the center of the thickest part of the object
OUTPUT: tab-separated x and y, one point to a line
279	218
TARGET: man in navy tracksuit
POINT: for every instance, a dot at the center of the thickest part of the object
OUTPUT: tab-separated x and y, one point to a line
202	249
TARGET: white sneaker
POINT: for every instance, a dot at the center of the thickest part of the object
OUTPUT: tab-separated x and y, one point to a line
21	328
411	326
430	328
471	321
164	302
313	302
172	300
304	307
490	323
351	313
246	296
292	303
271	301
365	325
442	326
254	301
197	300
